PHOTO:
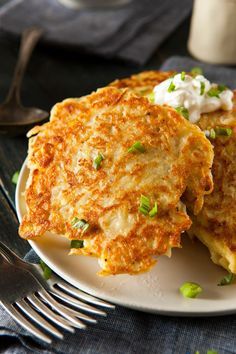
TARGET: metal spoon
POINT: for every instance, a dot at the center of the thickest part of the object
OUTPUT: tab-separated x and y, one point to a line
14	118
93	4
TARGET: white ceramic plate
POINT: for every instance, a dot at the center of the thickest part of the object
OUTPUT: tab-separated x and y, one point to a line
156	291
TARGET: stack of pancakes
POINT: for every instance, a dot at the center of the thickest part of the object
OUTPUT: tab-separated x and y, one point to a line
170	170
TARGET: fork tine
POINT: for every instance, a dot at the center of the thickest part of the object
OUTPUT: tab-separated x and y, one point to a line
79	304
23	322
31	313
61	310
81	315
60	321
81	295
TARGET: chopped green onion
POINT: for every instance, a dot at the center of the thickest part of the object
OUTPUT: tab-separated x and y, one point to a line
47	272
98	160
151	97
183	75
227	280
196	71
137	147
212	134
77	244
222	88
202	89
144	206
183	111
153	211
80	224
190	290
15	177
223	131
171	87
215	91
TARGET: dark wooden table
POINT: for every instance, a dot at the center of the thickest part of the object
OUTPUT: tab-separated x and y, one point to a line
54	74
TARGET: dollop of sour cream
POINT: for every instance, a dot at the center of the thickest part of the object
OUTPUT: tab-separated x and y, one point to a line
196	94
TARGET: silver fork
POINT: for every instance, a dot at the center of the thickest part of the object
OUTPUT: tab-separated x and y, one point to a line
59	287
25	299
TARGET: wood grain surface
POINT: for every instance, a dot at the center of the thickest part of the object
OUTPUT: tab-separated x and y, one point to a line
52	75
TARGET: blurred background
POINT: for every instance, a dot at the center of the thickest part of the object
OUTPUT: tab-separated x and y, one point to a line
85	48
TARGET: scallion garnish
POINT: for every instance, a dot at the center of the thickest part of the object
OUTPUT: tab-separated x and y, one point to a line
47	272
151	97
77	244
137	147
196	71
144	206
15	177
80	224
202	88
222	88
98	160
153	211
227	280
190	290
223	131
213	133
171	87
183	111
215	91
183	75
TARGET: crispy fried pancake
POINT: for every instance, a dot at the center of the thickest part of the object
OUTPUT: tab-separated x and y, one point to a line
64	183
142	83
215	225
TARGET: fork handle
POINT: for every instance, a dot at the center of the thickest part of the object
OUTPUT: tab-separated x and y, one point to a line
9	254
29	39
13	258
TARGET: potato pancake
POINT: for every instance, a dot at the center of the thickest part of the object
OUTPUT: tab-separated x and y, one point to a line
109	170
142	83
215	225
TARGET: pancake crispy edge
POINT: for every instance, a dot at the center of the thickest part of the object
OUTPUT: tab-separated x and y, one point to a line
64	184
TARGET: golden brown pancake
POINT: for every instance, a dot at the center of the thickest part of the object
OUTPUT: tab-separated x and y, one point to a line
144	82
215	225
65	184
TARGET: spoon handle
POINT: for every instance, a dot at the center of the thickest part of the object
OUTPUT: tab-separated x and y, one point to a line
29	40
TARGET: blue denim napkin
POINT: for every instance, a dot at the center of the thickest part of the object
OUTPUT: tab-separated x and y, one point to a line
126	331
130	33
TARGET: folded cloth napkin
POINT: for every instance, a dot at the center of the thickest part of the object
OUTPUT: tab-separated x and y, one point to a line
130	332
131	32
